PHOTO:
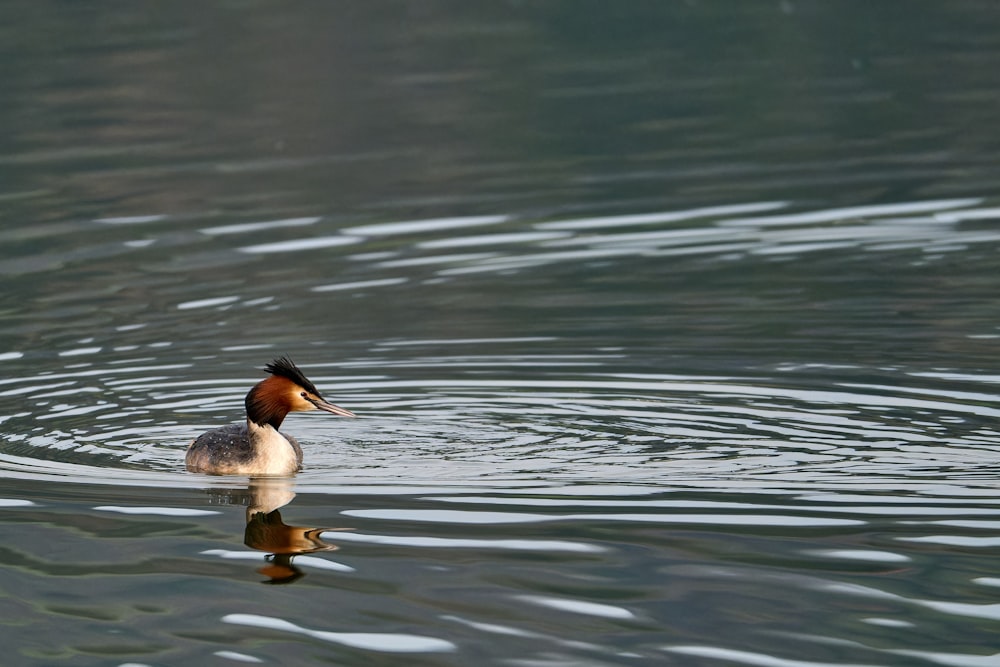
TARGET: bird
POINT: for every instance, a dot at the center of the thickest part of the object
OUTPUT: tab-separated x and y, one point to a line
258	447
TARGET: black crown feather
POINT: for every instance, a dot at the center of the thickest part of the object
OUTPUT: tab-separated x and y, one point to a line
283	367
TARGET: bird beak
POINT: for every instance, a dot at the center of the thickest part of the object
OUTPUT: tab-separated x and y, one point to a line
330	407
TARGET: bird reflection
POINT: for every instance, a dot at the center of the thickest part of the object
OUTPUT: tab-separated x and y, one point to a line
267	532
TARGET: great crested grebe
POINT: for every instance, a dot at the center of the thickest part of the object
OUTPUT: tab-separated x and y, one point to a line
257	447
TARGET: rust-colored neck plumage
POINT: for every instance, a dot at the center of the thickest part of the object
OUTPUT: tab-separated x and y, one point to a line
270	401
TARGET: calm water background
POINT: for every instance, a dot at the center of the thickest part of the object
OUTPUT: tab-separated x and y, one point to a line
673	328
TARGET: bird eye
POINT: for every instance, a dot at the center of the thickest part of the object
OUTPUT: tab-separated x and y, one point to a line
304	395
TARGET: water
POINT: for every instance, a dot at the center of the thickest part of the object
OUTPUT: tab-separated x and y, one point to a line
671	327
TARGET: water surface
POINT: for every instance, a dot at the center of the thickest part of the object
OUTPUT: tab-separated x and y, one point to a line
672	333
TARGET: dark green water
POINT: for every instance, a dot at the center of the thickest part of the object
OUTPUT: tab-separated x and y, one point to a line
672	328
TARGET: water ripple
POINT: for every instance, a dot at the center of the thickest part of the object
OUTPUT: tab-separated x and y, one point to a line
483	423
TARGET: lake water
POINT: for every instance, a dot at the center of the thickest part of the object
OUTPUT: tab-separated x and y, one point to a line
672	329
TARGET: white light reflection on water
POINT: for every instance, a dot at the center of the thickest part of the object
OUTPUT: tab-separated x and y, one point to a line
538	545
854	212
751	658
314	243
383	642
473	518
245	227
15	502
360	285
510	631
491	239
859	555
239	657
929	226
934	657
208	303
990	611
956	541
132	220
662	217
952	659
786	234
579	607
423	226
155	511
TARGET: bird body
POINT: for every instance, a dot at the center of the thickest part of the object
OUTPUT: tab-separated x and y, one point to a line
258	447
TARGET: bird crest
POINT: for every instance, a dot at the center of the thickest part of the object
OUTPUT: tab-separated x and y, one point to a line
283	367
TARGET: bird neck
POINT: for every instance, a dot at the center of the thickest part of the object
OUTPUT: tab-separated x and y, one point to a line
267	403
